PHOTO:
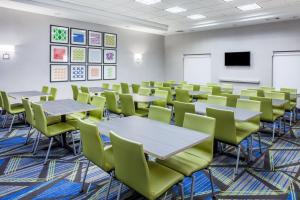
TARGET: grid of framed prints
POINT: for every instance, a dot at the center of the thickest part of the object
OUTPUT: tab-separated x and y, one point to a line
79	55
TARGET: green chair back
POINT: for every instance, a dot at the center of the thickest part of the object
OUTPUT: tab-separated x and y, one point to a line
217	100
105	86
99	102
196	87
182	95
28	112
116	88
127	104
45	89
249	104
135	88
1	102
187	87
53	94
216	90
182	82
83	97
160	114
131	167
266	108
180	109
158	84
249	93
206	89
40	118
164	95
144	91
145	84
167	84
111	101
75	91
225	125
170	96
125	88
152	83
231	99
205	125
267	89
260	92
85	89
227	88
6	102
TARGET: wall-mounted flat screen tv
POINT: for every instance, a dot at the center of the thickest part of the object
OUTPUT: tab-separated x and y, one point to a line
237	58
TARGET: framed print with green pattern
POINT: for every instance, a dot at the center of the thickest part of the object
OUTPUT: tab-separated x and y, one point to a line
59	34
110	40
78	54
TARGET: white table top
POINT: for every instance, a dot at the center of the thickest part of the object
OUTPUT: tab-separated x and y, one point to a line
159	139
27	94
239	113
145	99
195	93
275	102
98	89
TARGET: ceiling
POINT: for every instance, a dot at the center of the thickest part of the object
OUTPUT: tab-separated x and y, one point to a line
154	19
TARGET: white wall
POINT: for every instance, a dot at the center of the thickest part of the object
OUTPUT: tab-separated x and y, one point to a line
261	40
29	67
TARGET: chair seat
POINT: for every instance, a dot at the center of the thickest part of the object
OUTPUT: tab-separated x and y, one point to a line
58	128
247	126
53	120
143	105
17	108
141	112
108	154
161	179
92	120
241	135
185	163
76	116
278	112
199	152
116	111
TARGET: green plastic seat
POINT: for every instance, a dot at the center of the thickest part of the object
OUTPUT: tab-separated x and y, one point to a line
144	92
170	101
183	96
249	93
187	87
148	178
145	84
292	106
85	90
135	88
1	104
116	88
164	95
160	114
125	88
198	157
11	109
45	89
217	100
180	109
158	84
94	150
53	94
260	92
207	89
128	108
48	130
196	87
75	91
105	86
112	103
167	84
227	88
95	116
231	99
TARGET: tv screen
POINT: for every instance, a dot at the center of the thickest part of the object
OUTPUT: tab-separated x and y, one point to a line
237	59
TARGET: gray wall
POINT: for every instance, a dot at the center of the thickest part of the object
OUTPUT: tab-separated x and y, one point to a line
29	67
261	40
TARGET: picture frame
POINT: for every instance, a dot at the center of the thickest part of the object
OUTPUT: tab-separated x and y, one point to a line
59	54
77	72
95	38
78	54
59	73
109	56
95	55
109	72
94	72
59	34
110	40
78	36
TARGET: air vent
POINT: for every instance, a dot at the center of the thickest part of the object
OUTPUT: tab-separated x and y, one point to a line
179	31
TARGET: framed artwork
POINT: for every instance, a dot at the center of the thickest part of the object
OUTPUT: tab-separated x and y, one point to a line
78	55
109	72
59	34
110	56
110	40
95	38
78	36
95	55
59	73
78	73
59	54
94	72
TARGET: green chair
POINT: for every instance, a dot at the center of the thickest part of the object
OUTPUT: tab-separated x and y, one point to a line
207	89
226	131
45	89
74	118
170	101
95	116
1	104
216	90
160	114
183	96
180	109
75	91
49	131
158	84
227	88
167	84
112	103
260	92
128	108
187	87
212	84
249	93
231	99
53	94
105	86
116	88
146	84
182	82
125	88
267	89
148	178
164	95
11	109
85	90
293	100
95	152
144	92
217	100
135	88
198	157
196	87
151	83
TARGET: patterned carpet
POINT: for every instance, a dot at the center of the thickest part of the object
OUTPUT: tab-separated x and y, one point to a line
274	174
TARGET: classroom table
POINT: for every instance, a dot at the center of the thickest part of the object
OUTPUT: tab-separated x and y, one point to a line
239	113
27	94
159	139
98	89
275	102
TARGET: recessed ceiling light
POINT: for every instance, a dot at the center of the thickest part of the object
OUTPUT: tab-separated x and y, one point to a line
148	2
196	16
175	9
247	7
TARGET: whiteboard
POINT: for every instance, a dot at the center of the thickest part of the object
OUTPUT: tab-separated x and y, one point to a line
286	70
197	68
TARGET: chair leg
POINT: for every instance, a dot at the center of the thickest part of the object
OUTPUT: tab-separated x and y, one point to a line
84	177
4	121
193	187
109	185
291	119
50	144
181	190
259	142
11	124
28	135
211	183
251	148
119	191
273	132
36	143
73	142
237	160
